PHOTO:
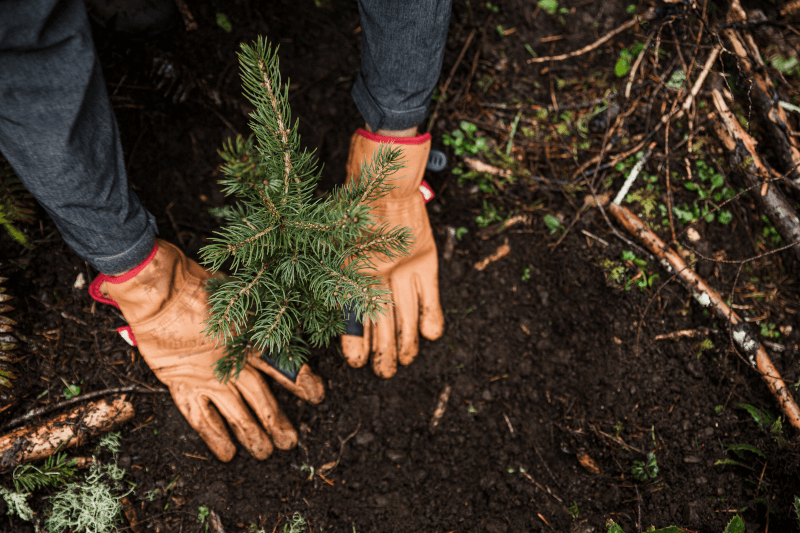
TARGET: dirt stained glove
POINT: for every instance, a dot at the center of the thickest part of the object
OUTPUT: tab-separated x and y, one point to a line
165	303
413	279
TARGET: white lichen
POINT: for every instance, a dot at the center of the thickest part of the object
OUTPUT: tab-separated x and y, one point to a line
703	299
747	343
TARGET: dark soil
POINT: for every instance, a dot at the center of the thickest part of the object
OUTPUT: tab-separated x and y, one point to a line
544	370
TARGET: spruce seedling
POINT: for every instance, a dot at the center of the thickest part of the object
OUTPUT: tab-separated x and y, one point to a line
297	262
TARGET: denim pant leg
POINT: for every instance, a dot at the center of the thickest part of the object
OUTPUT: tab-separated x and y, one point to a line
401	57
58	131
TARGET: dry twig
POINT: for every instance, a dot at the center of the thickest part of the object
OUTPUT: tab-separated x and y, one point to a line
708	297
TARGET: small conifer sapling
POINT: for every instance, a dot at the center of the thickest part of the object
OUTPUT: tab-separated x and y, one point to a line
296	261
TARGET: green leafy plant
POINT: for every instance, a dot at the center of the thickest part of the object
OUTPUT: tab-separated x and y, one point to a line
709	182
552	223
573	511
704	346
785	65
224	23
15	204
766	421
645	470
460	232
526	273
464	141
70	391
297	261
769	233
739	450
489	215
769	330
642	279
202	515
626	59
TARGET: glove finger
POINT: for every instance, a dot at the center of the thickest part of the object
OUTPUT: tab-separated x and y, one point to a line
305	385
257	394
431	320
356	349
406	312
244	426
206	421
384	345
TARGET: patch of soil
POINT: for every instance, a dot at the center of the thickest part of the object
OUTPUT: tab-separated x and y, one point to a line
544	355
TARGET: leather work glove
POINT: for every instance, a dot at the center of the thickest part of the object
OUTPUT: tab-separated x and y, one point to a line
165	303
413	279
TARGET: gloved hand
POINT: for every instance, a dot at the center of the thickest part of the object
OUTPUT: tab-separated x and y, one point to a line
165	303
413	279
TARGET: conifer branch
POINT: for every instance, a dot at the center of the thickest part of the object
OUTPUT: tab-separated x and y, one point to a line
287	160
295	259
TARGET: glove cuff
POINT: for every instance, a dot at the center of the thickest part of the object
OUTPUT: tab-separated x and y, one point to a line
419	139
94	291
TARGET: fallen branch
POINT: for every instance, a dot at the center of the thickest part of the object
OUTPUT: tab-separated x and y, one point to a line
708	297
76	399
691	333
69	429
763	96
649	15
502	251
745	158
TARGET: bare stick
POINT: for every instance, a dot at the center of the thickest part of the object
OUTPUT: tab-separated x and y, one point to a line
77	399
708	297
69	429
441	405
634	174
764	98
647	16
745	158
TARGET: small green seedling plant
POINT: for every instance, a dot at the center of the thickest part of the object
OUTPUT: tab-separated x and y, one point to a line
626	58
552	8
767	422
628	271
464	141
489	215
742	452
769	330
573	511
202	515
769	234
711	190
647	470
553	224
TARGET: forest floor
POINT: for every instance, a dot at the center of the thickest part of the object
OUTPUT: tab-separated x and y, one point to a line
560	384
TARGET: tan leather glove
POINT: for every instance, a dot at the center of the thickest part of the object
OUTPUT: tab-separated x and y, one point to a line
165	303
413	279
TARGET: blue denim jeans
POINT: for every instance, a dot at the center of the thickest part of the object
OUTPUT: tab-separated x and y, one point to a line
58	131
